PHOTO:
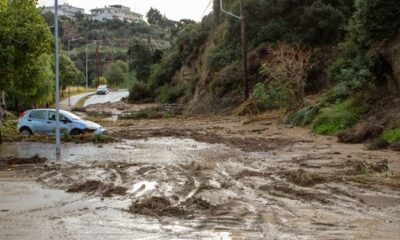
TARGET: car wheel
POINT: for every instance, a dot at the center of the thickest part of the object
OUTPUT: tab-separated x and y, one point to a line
25	131
75	131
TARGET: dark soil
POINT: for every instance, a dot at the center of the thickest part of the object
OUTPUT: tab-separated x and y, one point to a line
114	190
21	161
88	186
157	206
362	167
246	144
304	178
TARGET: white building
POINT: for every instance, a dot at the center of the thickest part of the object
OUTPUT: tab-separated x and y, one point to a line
65	10
116	12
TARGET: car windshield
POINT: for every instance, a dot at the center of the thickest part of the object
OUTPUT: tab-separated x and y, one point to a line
71	115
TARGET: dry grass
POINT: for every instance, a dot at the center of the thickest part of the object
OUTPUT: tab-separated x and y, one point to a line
74	90
270	115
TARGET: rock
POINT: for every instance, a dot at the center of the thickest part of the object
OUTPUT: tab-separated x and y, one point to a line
395	146
377	144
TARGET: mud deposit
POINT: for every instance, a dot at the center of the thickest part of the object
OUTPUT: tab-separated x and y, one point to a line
179	188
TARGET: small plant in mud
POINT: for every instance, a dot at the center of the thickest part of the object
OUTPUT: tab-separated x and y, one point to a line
304	178
157	206
365	168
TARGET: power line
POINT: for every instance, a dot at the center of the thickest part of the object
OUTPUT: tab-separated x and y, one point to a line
209	4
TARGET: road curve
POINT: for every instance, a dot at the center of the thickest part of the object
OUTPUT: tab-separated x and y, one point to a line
74	100
111	97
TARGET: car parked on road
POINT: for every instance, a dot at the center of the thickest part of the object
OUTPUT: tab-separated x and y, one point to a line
102	90
43	121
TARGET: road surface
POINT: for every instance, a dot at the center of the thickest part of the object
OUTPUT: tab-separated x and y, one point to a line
111	97
74	100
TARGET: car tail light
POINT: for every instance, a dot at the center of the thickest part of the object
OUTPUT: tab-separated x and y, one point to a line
21	115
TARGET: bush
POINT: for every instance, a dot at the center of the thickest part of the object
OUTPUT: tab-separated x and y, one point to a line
379	19
271	96
221	57
392	136
170	94
337	118
139	93
305	116
162	73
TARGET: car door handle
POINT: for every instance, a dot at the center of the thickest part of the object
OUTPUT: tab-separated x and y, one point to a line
49	122
29	120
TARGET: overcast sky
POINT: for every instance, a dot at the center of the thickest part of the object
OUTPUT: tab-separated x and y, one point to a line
173	9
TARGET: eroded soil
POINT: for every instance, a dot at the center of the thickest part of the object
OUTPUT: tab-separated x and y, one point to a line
214	178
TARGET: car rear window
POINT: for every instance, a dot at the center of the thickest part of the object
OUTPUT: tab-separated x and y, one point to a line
38	114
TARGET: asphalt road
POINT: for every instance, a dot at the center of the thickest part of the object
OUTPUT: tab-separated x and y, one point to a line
111	97
74	100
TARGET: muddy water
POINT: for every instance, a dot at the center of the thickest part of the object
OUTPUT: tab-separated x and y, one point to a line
190	190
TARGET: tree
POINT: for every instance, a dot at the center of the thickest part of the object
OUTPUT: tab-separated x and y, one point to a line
115	75
123	65
140	59
154	17
102	81
379	18
21	47
79	16
69	74
287	66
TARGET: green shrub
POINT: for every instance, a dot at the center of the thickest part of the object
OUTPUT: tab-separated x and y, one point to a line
379	19
305	116
272	95
139	92
170	94
392	136
8	130
338	117
221	57
162	73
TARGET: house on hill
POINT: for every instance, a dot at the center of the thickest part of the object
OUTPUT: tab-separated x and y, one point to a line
116	12
65	10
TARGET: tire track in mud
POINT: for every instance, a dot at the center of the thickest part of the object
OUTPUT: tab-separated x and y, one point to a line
251	195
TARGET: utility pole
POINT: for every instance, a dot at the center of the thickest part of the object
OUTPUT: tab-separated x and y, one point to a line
127	80
86	65
69	56
244	50
97	64
242	20
58	140
69	87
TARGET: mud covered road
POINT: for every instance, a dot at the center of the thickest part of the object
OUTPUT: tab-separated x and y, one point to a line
200	178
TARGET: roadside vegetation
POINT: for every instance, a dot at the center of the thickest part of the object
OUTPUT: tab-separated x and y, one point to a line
330	76
331	66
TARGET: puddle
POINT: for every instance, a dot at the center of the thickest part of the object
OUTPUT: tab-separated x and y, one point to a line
153	150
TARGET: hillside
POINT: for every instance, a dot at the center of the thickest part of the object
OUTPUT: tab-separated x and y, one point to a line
114	38
326	62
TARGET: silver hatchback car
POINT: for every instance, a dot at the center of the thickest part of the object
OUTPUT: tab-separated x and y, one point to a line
43	121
